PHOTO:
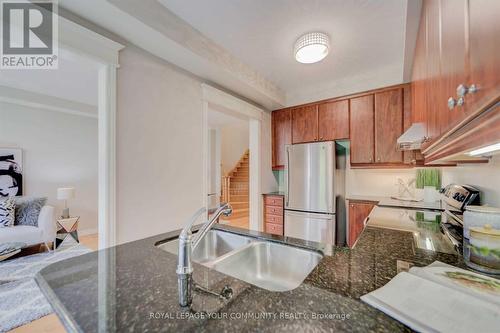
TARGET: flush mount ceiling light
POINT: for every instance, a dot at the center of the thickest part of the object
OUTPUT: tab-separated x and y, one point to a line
311	47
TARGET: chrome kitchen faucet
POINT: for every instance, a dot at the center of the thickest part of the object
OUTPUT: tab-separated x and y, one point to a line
187	243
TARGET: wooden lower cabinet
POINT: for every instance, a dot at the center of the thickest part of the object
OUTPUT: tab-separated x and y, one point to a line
274	214
358	212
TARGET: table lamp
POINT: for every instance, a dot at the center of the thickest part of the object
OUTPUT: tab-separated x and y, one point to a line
65	193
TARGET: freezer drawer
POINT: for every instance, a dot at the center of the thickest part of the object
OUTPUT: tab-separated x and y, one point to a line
310	226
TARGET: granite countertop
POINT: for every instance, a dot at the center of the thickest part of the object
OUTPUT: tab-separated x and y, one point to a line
391	202
275	193
133	287
363	198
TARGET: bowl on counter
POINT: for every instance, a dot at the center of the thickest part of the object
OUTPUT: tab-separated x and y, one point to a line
482	238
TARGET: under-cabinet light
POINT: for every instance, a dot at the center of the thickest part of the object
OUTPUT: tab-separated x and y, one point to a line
485	150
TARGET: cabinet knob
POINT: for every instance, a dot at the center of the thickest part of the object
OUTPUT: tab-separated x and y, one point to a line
378	159
463	90
460	101
451	103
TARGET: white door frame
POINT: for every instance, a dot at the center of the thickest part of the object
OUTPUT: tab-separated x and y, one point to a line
78	39
220	99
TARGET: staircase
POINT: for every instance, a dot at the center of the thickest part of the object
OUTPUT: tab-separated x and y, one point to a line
235	191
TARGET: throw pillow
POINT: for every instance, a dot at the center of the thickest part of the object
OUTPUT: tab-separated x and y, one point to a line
27	210
7	212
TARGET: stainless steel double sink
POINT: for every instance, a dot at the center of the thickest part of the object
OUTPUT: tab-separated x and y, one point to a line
269	265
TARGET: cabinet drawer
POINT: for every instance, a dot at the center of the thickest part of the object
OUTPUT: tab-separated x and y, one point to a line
274	210
274	200
274	219
274	229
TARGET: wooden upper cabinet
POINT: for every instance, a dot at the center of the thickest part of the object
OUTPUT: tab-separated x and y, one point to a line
281	136
305	124
362	129
452	72
484	54
458	43
388	125
435	100
419	75
334	120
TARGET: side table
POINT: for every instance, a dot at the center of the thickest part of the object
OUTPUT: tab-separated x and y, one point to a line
67	227
8	250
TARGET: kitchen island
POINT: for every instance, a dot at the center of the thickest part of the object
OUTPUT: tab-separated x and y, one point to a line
133	288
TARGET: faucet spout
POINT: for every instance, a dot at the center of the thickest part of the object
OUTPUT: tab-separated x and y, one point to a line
187	243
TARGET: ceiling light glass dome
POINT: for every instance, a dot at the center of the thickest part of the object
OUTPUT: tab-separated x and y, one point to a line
312	47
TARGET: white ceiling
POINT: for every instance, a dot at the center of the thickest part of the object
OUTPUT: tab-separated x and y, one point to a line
246	46
75	79
367	40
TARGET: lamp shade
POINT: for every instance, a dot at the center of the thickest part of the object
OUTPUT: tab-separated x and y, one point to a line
65	193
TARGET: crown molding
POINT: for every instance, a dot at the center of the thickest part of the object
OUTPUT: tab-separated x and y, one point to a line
40	101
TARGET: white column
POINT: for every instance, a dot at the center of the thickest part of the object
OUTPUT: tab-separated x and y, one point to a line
107	156
205	150
255	214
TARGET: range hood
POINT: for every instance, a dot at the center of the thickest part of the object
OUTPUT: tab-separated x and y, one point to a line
413	138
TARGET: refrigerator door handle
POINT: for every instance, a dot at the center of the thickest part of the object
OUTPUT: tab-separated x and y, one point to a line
317	216
287	170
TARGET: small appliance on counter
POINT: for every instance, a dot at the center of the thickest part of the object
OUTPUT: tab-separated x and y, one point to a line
482	238
456	198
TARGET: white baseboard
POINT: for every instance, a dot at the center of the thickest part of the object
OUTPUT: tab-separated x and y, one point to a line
86	232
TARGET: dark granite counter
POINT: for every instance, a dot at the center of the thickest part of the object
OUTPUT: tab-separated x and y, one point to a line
133	288
275	193
391	202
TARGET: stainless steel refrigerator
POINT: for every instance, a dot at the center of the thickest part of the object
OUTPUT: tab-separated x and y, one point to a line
315	192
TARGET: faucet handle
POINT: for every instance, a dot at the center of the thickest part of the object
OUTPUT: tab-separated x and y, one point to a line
229	209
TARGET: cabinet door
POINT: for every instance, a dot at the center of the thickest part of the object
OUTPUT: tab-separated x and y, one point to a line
419	74
334	120
358	212
362	129
282	135
453	60
388	125
484	53
435	99
305	124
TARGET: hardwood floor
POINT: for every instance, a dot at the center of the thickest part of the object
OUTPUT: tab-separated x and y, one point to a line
51	323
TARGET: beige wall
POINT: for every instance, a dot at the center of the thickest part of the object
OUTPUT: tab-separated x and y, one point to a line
485	176
234	143
59	150
159	146
383	182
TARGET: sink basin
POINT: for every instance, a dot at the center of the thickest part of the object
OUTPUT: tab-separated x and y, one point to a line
214	245
272	266
269	265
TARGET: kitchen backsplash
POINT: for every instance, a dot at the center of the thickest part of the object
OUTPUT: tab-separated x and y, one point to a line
280	179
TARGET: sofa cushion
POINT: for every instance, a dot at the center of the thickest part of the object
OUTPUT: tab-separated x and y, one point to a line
27	210
21	233
7	212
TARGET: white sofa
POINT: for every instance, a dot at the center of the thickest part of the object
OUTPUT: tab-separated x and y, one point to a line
44	233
